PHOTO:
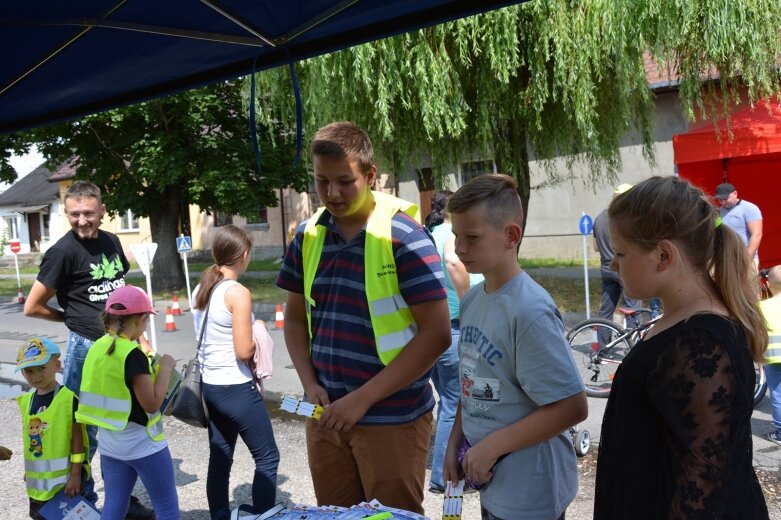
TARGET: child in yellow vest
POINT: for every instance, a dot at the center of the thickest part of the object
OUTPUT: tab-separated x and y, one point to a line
121	394
771	309
53	442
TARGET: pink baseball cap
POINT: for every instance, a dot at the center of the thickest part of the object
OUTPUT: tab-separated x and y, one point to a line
129	300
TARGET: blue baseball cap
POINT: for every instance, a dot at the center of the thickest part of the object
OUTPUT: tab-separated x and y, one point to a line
36	352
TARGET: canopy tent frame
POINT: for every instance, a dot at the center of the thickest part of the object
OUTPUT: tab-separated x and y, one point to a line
108	61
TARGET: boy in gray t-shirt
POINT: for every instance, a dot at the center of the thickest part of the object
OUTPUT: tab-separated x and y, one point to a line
520	389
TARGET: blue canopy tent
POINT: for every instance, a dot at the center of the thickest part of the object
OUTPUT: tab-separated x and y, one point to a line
62	60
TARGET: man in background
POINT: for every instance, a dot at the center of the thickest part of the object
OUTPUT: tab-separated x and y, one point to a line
742	216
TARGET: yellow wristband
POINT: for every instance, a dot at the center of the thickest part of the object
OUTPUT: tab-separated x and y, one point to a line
77	458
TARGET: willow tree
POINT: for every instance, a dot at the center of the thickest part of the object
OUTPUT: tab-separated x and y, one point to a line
555	78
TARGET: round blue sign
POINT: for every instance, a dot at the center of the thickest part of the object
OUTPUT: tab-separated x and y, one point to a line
586	225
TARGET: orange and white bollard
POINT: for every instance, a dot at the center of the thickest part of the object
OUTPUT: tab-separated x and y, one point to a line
19	295
177	311
170	325
280	317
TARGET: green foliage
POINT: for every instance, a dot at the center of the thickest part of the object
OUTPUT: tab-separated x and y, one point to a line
196	143
563	77
11	144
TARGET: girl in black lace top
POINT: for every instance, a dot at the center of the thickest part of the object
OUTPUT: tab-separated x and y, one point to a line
676	435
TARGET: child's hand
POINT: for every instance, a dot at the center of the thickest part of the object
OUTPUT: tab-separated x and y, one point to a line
73	486
479	461
167	363
452	469
5	453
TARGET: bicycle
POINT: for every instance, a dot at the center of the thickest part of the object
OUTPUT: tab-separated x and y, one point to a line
598	360
599	346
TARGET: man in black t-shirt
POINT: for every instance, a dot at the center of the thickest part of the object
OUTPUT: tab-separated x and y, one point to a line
81	269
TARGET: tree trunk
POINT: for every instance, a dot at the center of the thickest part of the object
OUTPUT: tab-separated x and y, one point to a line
512	158
167	273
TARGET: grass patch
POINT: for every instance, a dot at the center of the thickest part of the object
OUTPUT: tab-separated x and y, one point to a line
268	264
569	294
535	263
263	290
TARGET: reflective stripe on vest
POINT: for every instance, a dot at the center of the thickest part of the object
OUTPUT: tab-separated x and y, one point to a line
47	440
391	318
771	309
47	485
773	352
47	466
104	401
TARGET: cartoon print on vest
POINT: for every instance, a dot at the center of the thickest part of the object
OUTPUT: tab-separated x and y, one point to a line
35	430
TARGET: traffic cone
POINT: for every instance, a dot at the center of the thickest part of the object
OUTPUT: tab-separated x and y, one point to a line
280	317
170	325
19	295
177	311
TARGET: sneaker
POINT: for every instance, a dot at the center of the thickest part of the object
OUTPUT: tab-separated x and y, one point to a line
437	490
441	491
774	436
138	511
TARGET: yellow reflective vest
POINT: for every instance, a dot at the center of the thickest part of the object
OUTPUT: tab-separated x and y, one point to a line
105	399
391	318
47	438
772	311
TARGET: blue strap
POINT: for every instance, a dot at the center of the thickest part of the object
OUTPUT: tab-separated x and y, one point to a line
299	109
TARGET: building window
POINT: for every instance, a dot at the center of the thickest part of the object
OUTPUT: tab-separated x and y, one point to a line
12	228
128	221
470	170
222	219
45	219
259	217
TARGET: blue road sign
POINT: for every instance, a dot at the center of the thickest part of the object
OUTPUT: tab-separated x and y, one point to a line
184	244
586	225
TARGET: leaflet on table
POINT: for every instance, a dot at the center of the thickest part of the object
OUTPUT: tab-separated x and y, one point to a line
362	511
62	507
173	385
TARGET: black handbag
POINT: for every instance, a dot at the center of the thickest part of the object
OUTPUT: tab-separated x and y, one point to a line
189	406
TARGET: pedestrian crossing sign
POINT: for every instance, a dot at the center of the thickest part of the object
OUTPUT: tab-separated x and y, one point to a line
184	244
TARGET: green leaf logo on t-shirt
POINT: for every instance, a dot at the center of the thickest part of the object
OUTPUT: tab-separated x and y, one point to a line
106	269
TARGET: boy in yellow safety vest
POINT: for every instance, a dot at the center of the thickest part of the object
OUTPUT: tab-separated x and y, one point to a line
53	442
771	308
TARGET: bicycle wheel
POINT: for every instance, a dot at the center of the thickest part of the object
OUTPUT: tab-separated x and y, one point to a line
760	385
598	347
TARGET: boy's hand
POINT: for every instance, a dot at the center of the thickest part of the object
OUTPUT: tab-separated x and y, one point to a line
5	453
316	394
73	486
342	414
452	470
479	461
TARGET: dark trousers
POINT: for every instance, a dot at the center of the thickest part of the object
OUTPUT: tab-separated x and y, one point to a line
239	410
611	292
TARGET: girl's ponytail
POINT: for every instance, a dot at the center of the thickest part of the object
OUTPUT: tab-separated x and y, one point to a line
210	277
734	277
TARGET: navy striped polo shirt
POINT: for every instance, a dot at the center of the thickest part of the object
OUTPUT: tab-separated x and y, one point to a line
344	354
